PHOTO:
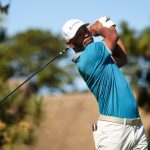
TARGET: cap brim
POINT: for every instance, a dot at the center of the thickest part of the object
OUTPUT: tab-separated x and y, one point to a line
85	24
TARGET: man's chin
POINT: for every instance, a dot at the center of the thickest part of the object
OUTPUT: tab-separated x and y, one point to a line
88	42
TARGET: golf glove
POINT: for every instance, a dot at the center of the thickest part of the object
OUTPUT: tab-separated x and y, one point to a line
106	22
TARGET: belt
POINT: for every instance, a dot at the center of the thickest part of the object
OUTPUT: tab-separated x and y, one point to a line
124	121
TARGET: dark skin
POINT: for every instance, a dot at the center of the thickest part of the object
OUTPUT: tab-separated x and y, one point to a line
110	36
82	38
119	54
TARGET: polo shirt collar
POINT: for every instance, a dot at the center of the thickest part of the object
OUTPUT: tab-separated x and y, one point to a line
76	56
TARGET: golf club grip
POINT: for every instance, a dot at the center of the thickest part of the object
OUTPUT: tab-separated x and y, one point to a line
13	91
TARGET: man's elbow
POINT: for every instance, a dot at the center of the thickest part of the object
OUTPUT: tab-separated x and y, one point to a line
123	62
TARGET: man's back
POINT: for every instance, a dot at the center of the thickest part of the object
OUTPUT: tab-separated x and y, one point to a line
106	82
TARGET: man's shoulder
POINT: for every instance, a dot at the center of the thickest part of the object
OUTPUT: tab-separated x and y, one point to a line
95	45
98	43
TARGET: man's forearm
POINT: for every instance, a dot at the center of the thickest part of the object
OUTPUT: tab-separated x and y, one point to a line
121	45
110	36
119	54
111	39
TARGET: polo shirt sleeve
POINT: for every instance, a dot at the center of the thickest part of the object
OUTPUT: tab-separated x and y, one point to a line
106	48
100	52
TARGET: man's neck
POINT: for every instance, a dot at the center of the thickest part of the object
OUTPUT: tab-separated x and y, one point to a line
79	49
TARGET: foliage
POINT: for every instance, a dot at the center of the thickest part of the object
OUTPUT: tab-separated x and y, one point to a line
34	110
17	125
136	43
24	53
143	44
128	37
138	68
21	55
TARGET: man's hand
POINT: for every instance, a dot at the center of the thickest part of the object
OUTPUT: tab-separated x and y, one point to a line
100	25
95	28
105	27
110	35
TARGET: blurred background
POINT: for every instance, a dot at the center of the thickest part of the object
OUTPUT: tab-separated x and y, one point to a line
55	109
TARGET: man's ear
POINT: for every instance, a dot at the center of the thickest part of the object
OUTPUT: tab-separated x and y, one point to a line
70	44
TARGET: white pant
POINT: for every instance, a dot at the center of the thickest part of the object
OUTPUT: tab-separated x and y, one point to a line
115	136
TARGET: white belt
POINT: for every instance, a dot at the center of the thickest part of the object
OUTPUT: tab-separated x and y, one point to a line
124	121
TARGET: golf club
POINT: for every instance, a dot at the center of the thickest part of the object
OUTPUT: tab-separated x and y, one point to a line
6	97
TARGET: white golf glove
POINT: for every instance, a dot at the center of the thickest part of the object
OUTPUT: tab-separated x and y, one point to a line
106	22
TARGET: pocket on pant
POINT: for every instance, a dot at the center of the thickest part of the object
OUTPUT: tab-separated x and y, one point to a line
112	133
96	137
96	134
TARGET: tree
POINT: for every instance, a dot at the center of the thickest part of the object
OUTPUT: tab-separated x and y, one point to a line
129	38
24	53
138	68
20	56
143	44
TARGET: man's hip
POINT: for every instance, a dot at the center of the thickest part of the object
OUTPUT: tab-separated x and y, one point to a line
119	134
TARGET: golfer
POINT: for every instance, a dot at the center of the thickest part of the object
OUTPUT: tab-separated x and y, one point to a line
119	126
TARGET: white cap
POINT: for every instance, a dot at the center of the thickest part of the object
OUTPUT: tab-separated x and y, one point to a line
71	27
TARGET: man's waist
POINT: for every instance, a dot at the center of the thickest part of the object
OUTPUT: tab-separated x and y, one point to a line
125	121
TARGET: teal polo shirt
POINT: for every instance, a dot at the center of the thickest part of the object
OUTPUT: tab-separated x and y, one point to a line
106	81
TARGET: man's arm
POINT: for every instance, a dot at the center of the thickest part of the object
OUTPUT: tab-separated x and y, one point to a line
110	35
119	54
112	40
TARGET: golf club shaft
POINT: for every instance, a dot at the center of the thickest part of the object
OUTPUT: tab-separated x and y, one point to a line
13	91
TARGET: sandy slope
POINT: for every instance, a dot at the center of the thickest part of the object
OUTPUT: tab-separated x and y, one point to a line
67	125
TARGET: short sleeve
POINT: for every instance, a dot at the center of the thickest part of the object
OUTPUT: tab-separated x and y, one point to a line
106	48
98	51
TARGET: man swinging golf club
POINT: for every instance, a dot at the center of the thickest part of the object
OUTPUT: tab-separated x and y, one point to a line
119	126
